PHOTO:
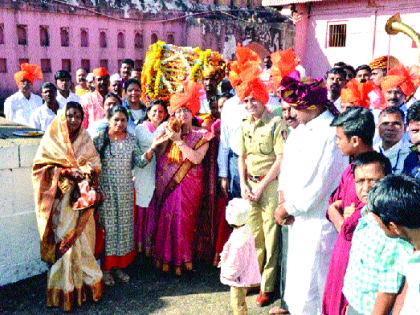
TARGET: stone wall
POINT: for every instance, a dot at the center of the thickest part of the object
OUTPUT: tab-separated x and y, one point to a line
19	238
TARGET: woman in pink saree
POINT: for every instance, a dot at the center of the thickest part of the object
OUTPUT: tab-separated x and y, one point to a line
179	185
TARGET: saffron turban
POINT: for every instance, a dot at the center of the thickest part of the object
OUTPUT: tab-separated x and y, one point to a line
382	62
190	98
245	57
252	85
358	93
100	72
284	63
303	95
407	78
28	71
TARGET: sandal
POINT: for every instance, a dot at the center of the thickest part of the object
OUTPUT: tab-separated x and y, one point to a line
121	275
278	310
108	279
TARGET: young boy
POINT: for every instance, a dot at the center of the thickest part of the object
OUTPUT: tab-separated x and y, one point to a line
355	131
372	280
395	205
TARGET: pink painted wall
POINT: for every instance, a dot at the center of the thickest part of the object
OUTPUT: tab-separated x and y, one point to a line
35	52
361	47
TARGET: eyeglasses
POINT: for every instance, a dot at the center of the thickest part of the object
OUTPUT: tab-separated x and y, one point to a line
184	110
370	181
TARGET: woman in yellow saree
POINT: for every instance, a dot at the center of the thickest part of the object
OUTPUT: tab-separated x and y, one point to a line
65	156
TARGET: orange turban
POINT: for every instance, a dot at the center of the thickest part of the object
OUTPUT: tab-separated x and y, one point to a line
100	72
252	85
407	78
382	62
358	93
245	57
284	63
28	71
190	98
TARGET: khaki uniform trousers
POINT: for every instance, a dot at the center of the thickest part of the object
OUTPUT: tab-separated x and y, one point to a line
267	234
237	300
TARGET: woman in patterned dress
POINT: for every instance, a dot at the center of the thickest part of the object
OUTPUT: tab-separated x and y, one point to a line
118	151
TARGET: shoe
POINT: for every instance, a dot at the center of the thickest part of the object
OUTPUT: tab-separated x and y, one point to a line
108	279
121	275
278	310
263	298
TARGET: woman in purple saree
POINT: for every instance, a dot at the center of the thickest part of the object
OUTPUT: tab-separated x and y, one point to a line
179	186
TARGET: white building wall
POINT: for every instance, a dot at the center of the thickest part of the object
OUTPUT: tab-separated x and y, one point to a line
363	43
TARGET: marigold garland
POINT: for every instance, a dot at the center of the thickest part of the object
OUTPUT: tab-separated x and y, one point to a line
167	66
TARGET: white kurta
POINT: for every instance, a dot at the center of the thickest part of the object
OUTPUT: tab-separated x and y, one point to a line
311	169
42	118
63	101
19	109
144	178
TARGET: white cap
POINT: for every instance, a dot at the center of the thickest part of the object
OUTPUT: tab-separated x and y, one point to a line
115	77
237	211
90	77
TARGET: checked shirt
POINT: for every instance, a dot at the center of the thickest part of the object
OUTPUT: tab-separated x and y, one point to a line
373	265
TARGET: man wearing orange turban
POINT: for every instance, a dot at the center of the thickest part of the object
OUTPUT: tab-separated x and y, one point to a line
261	150
23	103
92	102
230	128
380	66
367	95
399	83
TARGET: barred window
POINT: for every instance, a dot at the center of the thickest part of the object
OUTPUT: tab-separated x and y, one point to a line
46	65
22	32
337	35
103	63
154	38
121	40
102	39
138	40
84	38
3	65
1	33
44	36
85	63
65	37
170	39
66	64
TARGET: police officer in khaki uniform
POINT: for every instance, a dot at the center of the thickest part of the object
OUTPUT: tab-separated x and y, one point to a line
261	146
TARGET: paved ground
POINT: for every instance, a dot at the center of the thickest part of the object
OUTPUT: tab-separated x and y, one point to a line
149	292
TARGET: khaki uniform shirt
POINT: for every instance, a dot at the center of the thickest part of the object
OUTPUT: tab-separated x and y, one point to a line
262	142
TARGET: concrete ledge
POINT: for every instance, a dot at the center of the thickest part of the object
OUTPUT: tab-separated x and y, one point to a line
9	157
19	248
27	154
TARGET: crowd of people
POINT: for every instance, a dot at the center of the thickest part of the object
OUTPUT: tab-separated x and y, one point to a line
274	176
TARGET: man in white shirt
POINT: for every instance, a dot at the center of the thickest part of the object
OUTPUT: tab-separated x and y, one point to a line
63	82
391	129
20	105
43	116
232	115
311	169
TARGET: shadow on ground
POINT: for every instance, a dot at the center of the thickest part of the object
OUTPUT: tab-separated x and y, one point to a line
148	292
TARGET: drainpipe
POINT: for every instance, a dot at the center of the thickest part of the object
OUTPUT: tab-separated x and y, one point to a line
374	34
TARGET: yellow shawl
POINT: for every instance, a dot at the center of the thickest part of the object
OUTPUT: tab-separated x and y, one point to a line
55	153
